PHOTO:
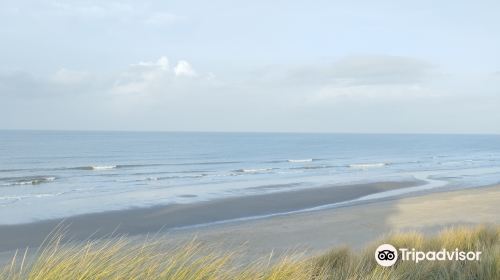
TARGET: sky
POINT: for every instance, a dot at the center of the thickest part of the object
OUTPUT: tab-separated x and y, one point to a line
268	66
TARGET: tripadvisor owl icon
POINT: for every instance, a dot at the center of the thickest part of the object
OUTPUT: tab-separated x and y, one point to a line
386	255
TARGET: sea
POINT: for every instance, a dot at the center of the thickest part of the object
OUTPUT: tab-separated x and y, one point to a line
56	174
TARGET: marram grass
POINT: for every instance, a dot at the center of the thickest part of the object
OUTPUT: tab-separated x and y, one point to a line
121	258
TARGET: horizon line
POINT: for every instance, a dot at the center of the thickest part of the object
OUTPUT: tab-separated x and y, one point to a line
249	132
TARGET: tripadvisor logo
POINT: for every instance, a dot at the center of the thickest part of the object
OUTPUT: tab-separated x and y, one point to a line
387	255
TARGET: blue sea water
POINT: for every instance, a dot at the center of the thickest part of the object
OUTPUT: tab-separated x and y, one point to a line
51	174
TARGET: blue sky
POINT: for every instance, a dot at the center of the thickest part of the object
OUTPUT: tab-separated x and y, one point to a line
302	66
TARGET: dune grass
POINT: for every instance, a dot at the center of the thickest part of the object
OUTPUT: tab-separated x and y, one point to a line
121	258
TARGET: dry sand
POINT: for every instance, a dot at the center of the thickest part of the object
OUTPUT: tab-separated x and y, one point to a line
357	225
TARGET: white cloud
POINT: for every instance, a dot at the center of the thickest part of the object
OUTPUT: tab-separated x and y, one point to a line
171	90
162	63
183	68
143	78
155	77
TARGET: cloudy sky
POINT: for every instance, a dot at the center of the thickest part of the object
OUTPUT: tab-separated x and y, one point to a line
301	66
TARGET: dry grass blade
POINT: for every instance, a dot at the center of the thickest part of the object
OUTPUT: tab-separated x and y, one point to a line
156	258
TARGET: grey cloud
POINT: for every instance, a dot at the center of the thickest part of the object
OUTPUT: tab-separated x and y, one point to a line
365	70
18	84
62	82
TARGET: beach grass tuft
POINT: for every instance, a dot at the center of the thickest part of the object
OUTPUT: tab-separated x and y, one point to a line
155	258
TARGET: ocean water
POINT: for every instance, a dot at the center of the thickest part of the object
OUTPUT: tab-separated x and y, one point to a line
51	174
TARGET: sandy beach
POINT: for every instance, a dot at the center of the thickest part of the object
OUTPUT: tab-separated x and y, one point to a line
313	232
166	218
358	225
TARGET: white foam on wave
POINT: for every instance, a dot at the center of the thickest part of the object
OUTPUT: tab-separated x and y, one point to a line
47	194
255	170
21	197
102	167
10	197
460	162
367	165
300	160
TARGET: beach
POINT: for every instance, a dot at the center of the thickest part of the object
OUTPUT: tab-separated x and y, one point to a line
315	231
356	226
165	219
257	194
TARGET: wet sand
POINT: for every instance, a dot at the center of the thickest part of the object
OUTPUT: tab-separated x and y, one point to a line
164	218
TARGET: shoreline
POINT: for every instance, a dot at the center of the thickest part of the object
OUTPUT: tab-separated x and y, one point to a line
354	226
171	217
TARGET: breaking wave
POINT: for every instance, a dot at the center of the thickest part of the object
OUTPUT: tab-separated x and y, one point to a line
175	177
27	180
97	167
300	160
367	165
313	167
255	170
